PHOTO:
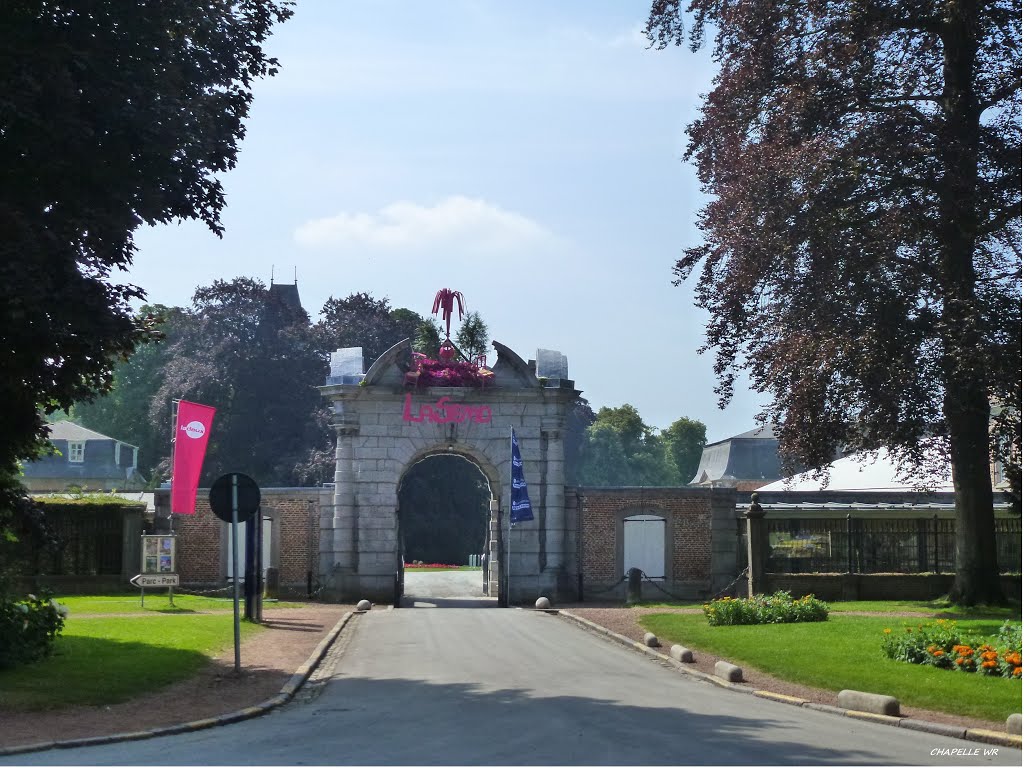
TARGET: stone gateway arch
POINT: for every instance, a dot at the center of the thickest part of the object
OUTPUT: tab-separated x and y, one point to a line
386	422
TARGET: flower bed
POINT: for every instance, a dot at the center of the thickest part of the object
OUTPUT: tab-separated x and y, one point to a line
780	607
435	566
452	373
941	644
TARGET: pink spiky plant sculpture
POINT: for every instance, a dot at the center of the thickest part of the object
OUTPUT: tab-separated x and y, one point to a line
445	301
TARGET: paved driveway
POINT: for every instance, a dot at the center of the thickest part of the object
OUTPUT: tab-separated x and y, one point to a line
461	685
424	587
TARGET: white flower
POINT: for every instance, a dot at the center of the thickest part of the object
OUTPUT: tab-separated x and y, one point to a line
31	597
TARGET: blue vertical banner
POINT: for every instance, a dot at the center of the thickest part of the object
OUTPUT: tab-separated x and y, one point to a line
520	510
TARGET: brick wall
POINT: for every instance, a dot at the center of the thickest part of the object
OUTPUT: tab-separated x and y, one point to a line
688	513
294	525
296	516
198	545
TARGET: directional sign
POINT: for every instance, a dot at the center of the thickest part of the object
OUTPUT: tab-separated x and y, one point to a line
151	581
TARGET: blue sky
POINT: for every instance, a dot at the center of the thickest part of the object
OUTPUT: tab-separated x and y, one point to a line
525	153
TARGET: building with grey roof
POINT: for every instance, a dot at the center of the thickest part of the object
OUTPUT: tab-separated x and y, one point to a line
746	461
83	458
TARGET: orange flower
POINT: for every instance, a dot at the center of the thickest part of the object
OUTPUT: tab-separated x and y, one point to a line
960	661
939	653
886	631
1016	672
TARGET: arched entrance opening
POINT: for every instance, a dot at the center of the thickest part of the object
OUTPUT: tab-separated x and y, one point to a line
444	513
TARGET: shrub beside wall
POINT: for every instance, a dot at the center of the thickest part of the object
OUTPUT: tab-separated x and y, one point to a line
28	628
780	607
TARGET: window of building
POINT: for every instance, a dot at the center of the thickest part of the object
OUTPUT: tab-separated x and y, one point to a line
643	544
76	451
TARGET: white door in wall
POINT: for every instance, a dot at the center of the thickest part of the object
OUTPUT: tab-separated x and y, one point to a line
644	544
242	526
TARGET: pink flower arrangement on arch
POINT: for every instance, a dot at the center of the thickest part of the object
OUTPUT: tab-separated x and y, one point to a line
437	373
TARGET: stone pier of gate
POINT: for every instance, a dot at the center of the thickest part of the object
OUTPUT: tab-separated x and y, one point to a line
386	423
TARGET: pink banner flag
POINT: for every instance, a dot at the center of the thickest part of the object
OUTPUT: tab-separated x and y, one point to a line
190	437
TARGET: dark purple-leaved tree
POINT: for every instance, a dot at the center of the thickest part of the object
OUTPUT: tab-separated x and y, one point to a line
251	354
111	115
861	256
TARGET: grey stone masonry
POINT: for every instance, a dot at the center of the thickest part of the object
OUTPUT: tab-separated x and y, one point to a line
385	425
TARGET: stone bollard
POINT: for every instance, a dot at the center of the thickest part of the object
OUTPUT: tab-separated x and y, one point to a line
651	640
633	585
728	671
363	605
874	703
542	603
679	653
1013	724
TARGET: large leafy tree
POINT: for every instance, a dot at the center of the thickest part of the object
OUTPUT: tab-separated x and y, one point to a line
256	360
579	417
684	443
620	449
124	412
111	115
472	337
862	240
360	320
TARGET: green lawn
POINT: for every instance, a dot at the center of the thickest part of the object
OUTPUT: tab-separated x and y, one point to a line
102	661
155	602
939	608
845	653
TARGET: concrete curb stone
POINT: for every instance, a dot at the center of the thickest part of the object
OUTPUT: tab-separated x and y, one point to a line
992	737
288	692
796	701
932	728
874	717
977	735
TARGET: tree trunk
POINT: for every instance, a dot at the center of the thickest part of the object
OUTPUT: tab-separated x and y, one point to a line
965	404
977	573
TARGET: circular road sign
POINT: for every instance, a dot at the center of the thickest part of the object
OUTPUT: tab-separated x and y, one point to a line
248	497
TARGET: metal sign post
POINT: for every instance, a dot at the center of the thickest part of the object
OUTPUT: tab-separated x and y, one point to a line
234	567
235	497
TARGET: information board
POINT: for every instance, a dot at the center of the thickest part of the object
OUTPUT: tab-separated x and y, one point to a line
158	554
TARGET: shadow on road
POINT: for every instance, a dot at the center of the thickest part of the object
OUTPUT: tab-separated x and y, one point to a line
460	724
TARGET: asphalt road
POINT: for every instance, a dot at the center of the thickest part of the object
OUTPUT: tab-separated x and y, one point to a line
472	685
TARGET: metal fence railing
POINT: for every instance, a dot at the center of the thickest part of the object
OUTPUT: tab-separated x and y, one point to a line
874	545
88	545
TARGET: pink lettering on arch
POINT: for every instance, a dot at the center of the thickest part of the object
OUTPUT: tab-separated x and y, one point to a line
445	412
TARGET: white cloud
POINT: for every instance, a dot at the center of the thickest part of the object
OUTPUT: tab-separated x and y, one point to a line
457	221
